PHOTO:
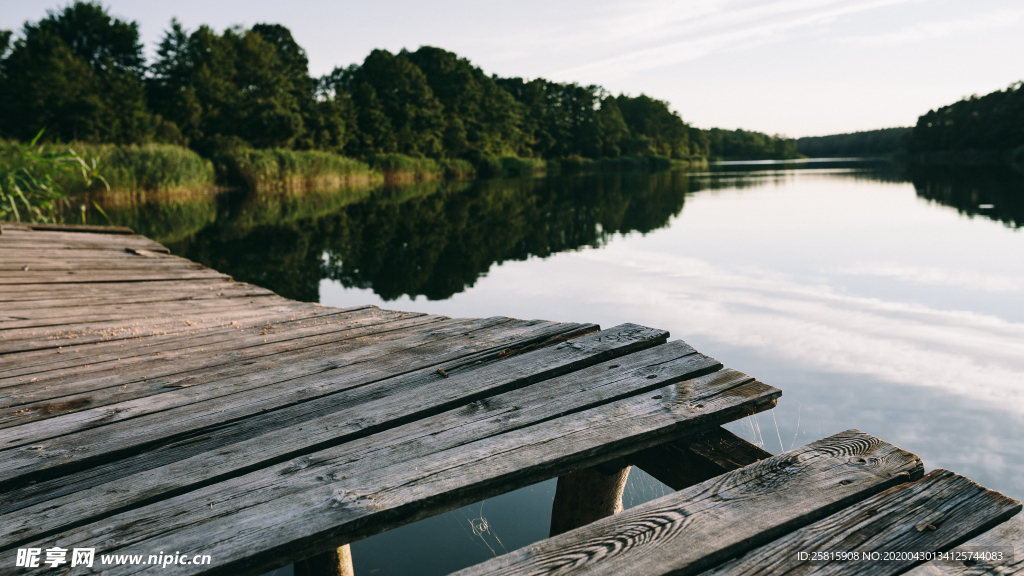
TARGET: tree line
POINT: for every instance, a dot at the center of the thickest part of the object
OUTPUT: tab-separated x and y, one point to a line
882	142
985	129
81	74
993	122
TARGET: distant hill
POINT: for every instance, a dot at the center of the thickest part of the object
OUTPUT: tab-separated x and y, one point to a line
883	142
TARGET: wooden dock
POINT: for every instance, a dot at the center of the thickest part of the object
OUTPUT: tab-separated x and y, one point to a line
150	404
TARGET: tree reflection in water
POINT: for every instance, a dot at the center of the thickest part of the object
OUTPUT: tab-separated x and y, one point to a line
437	238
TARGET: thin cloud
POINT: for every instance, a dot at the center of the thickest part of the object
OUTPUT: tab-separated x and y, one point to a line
975	356
935	30
938	276
724	28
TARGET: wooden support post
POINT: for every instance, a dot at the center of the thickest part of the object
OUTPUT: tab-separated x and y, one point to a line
683	463
337	562
584	496
587	495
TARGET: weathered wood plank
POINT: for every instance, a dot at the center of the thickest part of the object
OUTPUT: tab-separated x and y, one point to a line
296	369
193	407
705	524
96	277
43	254
72	228
120	379
278	328
43	237
123	312
938	511
1008	536
682	464
425	397
53	305
30	339
29	294
276	515
273	320
75	241
98	267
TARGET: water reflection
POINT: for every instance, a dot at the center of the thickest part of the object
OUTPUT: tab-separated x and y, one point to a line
996	193
435	239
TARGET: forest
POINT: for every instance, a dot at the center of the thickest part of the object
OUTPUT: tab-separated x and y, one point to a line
81	74
883	142
975	129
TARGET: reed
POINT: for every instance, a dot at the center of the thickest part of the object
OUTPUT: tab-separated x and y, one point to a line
35	180
579	165
281	170
146	168
493	167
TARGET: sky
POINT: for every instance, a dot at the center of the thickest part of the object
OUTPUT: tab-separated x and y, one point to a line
793	67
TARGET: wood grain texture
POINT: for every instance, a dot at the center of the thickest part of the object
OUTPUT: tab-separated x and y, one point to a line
127	374
935	513
73	440
701	526
289	433
584	496
32	339
682	464
278	514
245	332
1008	536
72	228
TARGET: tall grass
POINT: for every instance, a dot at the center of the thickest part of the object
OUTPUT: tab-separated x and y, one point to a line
293	170
510	166
146	168
579	165
399	168
155	168
34	180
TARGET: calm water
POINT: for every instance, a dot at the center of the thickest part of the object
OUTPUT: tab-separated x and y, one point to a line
875	299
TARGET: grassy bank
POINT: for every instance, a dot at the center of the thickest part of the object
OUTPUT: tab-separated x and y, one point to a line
280	170
158	168
149	168
399	168
578	165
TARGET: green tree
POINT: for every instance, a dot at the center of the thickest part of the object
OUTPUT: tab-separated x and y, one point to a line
395	108
323	116
5	41
104	43
77	73
749	145
231	86
481	119
560	119
991	122
615	134
537	140
657	130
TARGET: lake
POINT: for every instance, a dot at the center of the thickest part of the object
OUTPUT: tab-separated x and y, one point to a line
876	297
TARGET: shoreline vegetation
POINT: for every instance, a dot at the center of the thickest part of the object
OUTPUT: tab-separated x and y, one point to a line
239	107
168	169
979	131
